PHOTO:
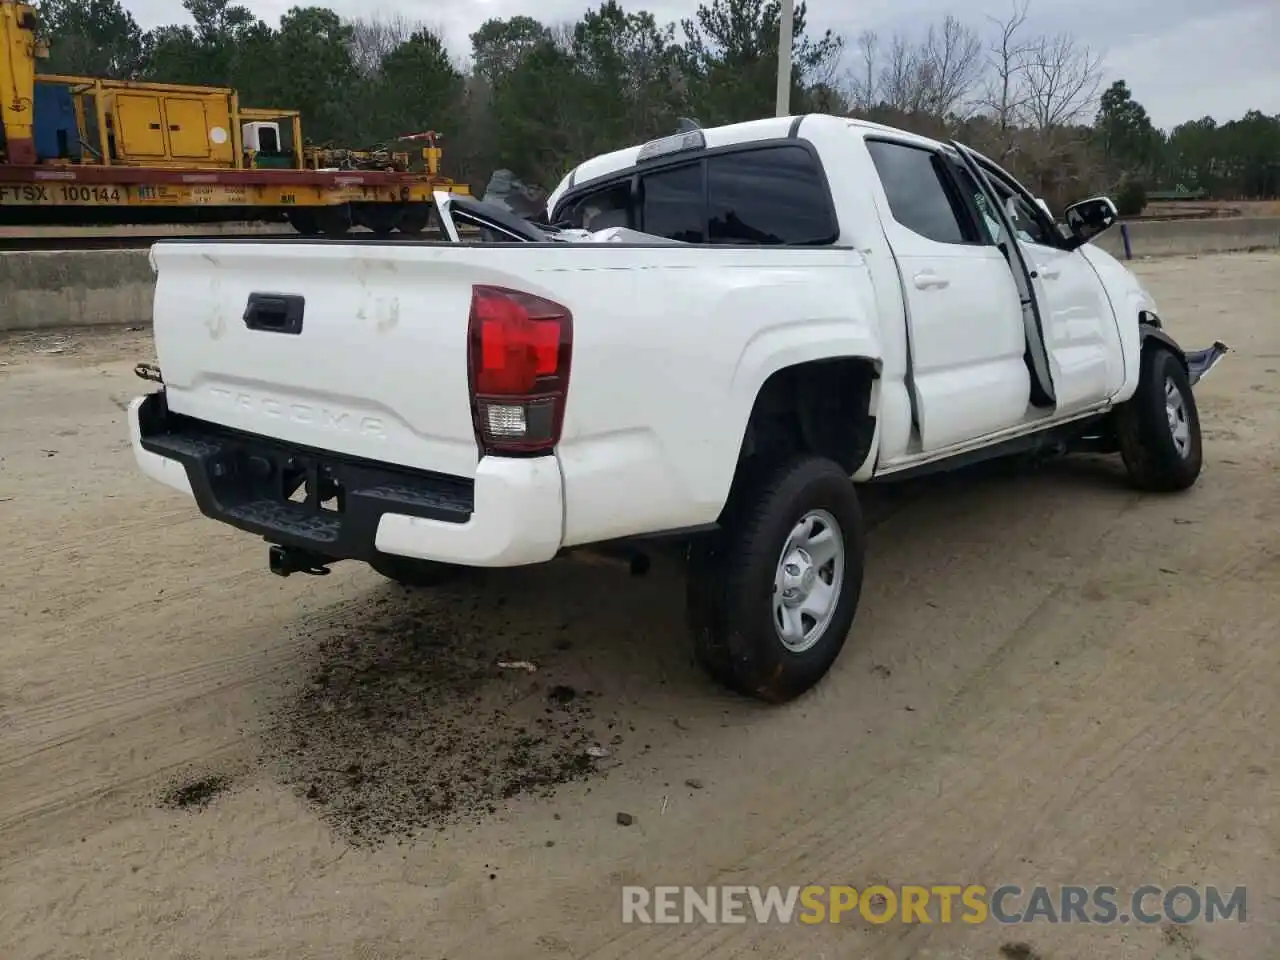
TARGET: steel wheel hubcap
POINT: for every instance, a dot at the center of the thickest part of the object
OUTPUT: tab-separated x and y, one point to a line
806	584
1175	408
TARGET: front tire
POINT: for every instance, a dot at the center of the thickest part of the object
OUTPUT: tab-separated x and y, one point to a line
772	599
1158	428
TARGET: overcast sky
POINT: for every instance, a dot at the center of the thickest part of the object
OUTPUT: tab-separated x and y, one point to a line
1183	59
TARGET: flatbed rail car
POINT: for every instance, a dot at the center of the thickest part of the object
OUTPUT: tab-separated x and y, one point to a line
313	201
84	151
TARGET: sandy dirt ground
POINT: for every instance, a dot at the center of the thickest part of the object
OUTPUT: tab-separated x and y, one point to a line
1052	680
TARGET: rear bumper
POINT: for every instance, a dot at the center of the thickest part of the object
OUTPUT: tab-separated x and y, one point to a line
511	514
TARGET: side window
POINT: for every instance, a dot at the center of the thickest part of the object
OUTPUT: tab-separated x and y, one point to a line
674	203
1029	220
605	208
767	196
920	194
989	221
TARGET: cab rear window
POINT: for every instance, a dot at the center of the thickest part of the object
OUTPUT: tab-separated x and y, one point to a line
759	196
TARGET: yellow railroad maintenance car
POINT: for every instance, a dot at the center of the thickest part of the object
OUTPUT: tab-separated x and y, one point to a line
86	151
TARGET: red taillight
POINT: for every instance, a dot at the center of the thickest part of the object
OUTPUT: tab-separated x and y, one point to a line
519	351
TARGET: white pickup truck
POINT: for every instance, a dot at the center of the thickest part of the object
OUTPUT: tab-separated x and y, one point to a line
781	310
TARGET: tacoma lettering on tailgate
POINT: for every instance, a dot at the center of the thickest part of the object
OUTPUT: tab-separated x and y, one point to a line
316	415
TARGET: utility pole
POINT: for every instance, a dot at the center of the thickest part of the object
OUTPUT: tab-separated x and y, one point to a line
784	58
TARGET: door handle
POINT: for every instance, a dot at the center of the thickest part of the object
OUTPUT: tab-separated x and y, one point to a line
930	281
1049	273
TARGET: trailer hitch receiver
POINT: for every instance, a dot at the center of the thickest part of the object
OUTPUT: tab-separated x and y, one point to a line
286	560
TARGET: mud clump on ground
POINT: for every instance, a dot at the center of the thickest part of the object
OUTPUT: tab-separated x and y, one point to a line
194	794
1019	951
406	723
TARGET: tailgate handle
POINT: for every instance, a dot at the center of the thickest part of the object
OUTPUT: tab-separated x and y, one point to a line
274	312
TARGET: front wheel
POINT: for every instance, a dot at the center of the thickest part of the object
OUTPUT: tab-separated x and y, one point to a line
772	599
1158	428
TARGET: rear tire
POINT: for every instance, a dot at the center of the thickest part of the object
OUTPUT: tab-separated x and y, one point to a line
1158	428
409	572
772	598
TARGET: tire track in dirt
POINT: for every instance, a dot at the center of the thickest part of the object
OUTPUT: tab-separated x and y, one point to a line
108	799
100	525
121	605
134	696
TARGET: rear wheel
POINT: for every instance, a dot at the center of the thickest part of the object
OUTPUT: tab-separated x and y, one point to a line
381	219
1158	428
410	572
333	221
772	599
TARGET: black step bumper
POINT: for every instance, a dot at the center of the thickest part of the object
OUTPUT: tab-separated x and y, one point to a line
314	500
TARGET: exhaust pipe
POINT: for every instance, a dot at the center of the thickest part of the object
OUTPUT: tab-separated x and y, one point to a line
286	560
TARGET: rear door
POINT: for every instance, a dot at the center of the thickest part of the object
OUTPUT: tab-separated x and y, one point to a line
964	312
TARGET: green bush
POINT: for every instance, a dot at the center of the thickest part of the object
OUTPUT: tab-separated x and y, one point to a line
1131	198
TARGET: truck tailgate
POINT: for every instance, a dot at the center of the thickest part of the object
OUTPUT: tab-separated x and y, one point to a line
373	365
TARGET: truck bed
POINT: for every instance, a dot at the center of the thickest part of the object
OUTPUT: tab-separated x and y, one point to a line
670	345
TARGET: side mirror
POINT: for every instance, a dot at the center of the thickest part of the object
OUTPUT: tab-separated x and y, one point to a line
1088	218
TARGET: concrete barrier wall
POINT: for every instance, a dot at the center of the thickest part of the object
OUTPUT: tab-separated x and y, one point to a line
81	288
114	287
1163	238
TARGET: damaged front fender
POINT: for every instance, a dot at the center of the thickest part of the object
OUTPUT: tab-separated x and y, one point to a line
1200	362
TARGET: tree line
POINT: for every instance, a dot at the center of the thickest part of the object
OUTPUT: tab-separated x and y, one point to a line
536	97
